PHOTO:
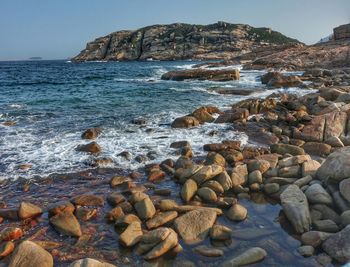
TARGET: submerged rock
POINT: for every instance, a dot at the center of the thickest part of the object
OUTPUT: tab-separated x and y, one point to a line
88	262
208	251
28	210
185	122
202	74
250	256
66	223
237	213
338	245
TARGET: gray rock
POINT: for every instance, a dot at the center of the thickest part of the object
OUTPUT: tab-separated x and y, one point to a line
314	238
208	251
296	208
326	226
344	188
271	188
338	245
207	194
88	262
345	218
306	251
316	194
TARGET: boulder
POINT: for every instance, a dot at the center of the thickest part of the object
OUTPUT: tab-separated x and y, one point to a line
145	209
269	76
207	194
237	213
202	115
249	256
202	74
88	262
195	225
336	167
316	194
317	149
344	188
28	210
220	232
309	167
224	180
188	190
91	133
185	122
161	219
314	238
285	81
170	242
66	223
29	254
92	148
338	245
296	208
132	234
206	173
287	149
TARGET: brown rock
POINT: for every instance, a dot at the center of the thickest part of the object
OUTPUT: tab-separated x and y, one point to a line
202	74
60	206
88	200
145	209
91	133
161	219
6	249
92	148
11	233
185	122
28	210
132	234
237	213
66	223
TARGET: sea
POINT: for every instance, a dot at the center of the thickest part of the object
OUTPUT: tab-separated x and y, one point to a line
45	106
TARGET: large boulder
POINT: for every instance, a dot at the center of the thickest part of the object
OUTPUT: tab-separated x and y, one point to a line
29	254
338	245
336	167
185	122
195	225
202	74
296	208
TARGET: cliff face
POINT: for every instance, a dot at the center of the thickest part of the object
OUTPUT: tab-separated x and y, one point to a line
182	41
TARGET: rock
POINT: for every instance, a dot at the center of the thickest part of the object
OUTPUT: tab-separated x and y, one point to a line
317	149
185	122
195	225
231	155
290	172
132	234
271	188
220	232
306	251
145	209
215	158
88	200
255	177
188	190
91	133
334	141
92	148
29	254
180	144
202	115
60	206
309	167
303	181
224	180
296	208
270	75
316	194
161	219
164	246
336	167
314	238
115	214
85	214
345	218
66	223
326	226
230	116
215	186
338	245
344	188
291	161
258	165
249	256
287	149
237	213
28	210
206	173
156	175
202	74
114	199
208	251
126	220
207	194
10	214
118	180
10	233
88	262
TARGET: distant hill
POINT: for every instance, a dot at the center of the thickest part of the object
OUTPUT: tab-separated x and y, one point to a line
35	58
177	41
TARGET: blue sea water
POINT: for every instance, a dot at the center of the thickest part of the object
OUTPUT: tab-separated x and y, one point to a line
53	102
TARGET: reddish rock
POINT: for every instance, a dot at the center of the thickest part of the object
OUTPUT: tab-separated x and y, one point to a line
91	133
202	74
6	249
11	233
185	122
156	175
88	200
92	148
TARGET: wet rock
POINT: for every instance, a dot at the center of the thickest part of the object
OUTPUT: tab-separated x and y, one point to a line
208	251
220	232
234	115
118	180
326	226
161	219
85	214
29	254
9	214
132	234
249	256
258	165
207	194
292	161
323	259
115	214
66	223
114	199
215	186
202	74
6	249
28	210
92	148
137	196
156	175
344	188
87	200
314	238
195	225
180	144
306	251
224	180
185	122
91	133
10	233
202	115
237	213
88	262
60	206
338	245
215	158
170	242
271	188
269	76
145	209
126	155
317	149
126	220
296	208
287	149
188	190
316	194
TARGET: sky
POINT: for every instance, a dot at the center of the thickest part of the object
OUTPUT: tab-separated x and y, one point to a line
59	29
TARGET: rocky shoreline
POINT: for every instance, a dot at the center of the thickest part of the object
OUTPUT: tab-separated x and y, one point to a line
203	211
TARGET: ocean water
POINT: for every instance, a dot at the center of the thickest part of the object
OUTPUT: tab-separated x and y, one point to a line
53	102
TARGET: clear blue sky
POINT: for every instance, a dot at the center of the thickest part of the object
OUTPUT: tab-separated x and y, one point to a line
56	29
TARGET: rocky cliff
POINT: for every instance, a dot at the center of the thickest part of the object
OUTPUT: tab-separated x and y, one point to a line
182	41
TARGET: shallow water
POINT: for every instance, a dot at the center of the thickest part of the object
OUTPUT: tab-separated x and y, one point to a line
53	102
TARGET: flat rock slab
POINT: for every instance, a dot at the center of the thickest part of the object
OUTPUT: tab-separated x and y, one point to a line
195	225
296	208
